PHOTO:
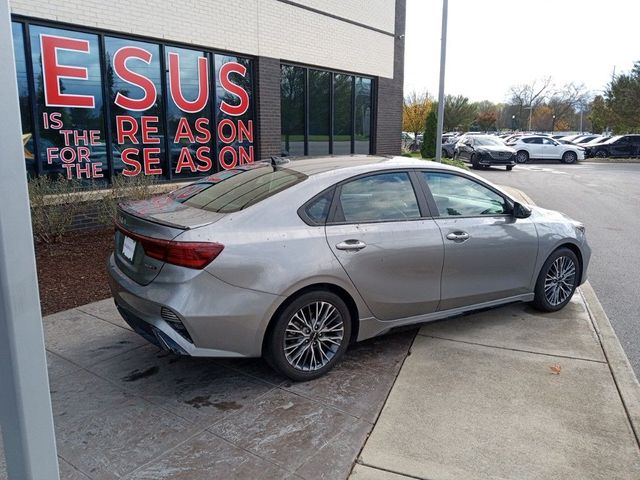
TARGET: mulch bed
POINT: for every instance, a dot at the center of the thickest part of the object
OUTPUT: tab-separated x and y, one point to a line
73	272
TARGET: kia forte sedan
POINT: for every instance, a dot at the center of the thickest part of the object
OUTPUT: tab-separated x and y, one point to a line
293	261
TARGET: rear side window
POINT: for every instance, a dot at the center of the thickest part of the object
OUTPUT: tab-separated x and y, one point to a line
378	198
239	189
318	209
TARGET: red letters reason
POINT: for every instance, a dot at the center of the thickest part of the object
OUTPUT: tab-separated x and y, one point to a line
52	72
120	67
175	87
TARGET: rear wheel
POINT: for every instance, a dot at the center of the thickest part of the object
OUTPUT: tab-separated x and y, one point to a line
522	156
310	335
601	154
509	168
557	281
569	157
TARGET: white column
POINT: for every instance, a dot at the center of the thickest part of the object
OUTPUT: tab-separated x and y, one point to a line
443	59
25	403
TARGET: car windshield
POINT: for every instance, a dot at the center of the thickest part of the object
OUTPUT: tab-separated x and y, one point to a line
233	190
489	141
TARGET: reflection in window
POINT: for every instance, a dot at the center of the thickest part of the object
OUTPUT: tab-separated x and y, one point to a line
292	109
23	94
342	123
71	124
319	111
455	195
382	197
130	102
362	115
188	112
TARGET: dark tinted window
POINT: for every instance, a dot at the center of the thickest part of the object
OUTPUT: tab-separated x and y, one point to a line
381	197
342	123
292	109
318	209
363	115
635	139
459	196
319	106
243	188
23	94
536	141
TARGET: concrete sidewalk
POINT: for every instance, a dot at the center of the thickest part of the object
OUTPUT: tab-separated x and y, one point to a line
511	393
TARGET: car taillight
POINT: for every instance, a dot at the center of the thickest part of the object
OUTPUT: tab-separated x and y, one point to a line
185	254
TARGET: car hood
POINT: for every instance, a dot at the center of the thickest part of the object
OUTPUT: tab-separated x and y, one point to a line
542	214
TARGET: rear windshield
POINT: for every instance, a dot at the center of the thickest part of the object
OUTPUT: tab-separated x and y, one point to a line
233	190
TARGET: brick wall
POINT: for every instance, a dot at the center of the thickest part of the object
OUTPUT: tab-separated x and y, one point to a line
388	126
267	28
268	111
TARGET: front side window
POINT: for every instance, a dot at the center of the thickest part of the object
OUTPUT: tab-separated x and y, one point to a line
460	196
378	198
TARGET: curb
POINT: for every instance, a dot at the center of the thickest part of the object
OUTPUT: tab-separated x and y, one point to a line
611	160
623	376
621	371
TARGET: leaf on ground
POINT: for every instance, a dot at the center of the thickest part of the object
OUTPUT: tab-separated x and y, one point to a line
555	369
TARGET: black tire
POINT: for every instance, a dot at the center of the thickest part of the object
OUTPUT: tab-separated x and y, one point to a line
545	301
509	168
522	156
276	342
474	163
569	157
600	154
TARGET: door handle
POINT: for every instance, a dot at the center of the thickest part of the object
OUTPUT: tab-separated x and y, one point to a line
351	245
458	236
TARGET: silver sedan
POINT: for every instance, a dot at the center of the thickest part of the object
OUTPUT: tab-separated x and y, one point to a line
294	260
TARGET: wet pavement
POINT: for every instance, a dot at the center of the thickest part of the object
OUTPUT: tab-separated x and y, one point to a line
125	409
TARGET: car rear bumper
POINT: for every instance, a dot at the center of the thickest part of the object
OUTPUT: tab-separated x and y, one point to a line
219	319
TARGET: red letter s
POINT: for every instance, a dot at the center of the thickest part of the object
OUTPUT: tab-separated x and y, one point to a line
120	67
234	89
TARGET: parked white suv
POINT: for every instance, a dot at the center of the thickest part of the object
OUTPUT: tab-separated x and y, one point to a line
545	148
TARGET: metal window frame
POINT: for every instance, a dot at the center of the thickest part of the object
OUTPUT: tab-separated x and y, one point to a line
27	22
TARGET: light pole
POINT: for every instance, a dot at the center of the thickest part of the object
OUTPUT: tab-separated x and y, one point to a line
443	56
513	122
553	123
530	108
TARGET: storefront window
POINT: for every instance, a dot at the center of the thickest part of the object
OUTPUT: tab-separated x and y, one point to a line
292	109
135	101
342	123
234	111
189	112
69	103
319	112
362	115
23	94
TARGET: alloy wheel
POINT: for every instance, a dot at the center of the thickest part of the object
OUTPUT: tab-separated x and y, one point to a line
560	280
522	157
313	336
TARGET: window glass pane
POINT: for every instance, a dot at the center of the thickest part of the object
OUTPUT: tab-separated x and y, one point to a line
342	122
319	208
241	190
455	195
234	110
135	94
189	112
68	86
292	109
23	94
363	115
387	196
319	107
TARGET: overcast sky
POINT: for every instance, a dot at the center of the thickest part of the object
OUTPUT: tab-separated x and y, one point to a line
493	44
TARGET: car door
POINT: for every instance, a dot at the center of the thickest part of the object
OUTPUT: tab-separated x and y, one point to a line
621	148
386	241
489	254
550	149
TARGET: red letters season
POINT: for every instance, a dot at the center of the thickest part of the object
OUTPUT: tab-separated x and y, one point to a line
140	134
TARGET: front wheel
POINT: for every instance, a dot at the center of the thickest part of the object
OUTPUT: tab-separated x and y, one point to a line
509	168
558	279
522	156
474	162
601	154
569	157
309	336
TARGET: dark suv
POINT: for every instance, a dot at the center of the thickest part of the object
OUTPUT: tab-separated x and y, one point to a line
618	146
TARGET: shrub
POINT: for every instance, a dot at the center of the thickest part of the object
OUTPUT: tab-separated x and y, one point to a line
428	149
122	189
54	202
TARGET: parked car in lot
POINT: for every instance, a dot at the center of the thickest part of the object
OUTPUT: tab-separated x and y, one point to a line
545	148
296	260
618	146
484	151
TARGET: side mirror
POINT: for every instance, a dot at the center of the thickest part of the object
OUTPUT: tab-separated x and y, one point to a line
520	211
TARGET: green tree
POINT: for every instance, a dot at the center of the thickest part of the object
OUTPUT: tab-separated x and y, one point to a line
428	149
623	101
458	112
